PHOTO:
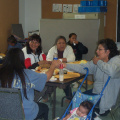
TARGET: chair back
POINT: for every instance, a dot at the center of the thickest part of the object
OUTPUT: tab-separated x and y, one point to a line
11	104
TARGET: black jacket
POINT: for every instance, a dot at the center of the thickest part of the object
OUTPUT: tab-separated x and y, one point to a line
78	49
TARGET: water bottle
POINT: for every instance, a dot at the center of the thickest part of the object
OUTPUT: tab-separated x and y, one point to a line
74	43
61	73
55	56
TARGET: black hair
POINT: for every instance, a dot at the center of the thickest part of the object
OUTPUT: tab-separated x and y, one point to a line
38	39
13	65
12	39
71	34
109	44
87	105
59	37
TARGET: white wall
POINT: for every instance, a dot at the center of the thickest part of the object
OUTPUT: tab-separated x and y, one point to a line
29	15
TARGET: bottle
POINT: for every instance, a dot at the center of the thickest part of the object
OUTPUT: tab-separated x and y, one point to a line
74	43
55	56
61	73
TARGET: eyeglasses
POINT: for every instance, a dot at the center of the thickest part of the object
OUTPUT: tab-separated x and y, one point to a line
100	49
34	42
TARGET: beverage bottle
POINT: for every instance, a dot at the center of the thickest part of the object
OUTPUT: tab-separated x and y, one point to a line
55	56
74	43
61	73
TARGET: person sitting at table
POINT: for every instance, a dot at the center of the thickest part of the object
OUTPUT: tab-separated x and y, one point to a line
34	55
77	46
14	75
65	52
12	43
106	63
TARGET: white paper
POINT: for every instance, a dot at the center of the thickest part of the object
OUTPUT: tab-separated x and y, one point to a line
79	16
67	8
57	8
75	8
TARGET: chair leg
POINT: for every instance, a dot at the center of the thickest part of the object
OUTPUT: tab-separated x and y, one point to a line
112	115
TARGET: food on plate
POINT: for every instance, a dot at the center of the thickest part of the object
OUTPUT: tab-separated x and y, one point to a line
56	71
41	70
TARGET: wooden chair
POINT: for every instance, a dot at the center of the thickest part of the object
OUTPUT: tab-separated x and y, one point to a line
11	104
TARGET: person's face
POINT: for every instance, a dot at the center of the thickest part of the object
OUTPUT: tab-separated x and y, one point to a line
81	111
34	45
73	39
61	44
102	54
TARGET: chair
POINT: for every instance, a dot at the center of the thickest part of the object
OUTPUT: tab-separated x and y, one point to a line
11	104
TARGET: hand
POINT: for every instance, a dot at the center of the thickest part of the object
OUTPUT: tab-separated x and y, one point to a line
64	65
76	42
56	63
41	62
95	60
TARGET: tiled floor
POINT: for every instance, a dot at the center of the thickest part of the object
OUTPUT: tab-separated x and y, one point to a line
60	110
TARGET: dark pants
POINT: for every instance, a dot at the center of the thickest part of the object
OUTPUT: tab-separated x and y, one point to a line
67	90
43	111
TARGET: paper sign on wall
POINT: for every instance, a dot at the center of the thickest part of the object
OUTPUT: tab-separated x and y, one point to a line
67	8
57	8
75	8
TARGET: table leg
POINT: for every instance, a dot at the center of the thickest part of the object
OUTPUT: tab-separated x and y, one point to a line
54	103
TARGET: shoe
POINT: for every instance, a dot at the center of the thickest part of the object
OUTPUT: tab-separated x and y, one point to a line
75	85
106	113
97	118
45	100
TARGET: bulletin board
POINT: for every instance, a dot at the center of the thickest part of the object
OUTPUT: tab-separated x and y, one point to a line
47	8
110	16
52	28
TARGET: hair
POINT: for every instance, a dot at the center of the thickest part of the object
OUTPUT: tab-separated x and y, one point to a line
87	105
13	65
12	39
109	44
38	39
59	37
71	34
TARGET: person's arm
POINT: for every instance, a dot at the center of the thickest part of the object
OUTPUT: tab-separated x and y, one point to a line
55	64
50	54
82	49
69	54
67	116
112	67
80	67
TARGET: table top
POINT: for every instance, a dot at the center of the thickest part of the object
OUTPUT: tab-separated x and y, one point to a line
63	84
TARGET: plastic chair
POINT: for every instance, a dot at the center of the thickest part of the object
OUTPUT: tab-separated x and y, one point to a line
11	104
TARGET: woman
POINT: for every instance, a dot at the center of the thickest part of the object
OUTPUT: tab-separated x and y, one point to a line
34	55
77	46
14	75
64	51
107	63
12	43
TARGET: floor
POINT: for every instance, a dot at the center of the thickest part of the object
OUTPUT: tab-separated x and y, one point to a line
60	110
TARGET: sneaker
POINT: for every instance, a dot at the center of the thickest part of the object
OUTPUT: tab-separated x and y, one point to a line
97	118
75	85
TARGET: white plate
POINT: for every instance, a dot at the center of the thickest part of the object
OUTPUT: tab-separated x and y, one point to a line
53	79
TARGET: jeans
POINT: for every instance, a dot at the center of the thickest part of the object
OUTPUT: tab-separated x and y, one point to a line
43	111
